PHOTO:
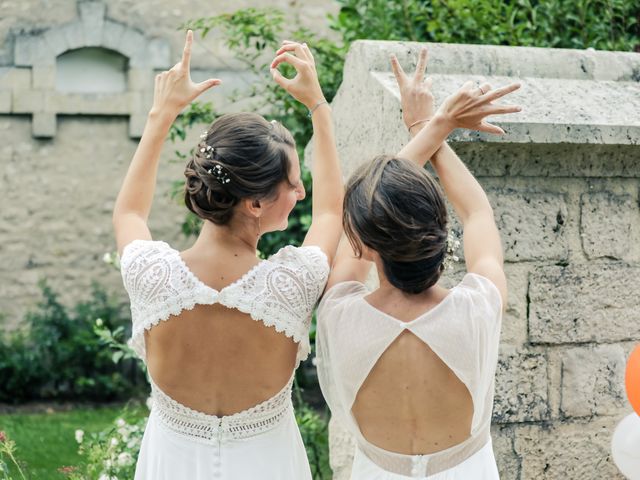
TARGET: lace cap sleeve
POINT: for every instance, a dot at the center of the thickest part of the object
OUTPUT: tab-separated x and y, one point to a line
158	285
486	296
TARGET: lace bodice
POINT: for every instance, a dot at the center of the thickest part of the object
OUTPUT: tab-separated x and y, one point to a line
281	292
463	330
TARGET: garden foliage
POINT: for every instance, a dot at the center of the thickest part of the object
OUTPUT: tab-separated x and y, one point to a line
58	355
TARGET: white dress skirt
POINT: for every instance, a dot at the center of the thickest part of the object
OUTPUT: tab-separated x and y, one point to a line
263	443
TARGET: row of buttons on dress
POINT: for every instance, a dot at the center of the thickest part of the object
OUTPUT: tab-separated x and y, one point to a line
419	466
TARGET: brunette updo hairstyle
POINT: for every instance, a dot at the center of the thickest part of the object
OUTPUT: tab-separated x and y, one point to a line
241	156
396	208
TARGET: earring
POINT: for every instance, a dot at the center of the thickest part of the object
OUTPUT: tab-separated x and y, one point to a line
258	234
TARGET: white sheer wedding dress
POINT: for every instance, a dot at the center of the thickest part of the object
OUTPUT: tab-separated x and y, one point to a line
463	330
262	442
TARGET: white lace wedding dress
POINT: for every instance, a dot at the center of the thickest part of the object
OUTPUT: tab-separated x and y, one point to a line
463	330
262	442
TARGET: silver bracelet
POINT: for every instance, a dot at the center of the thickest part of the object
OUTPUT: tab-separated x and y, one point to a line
316	106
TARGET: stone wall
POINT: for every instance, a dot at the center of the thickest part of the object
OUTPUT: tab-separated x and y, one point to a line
63	155
564	184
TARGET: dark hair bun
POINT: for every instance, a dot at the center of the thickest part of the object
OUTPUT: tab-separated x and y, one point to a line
240	156
397	209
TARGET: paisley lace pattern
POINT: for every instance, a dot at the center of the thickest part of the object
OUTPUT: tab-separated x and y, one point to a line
280	292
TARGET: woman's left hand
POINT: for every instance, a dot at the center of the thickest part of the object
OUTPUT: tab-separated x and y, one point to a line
415	93
174	89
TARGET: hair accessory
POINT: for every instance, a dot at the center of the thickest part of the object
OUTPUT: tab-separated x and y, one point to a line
208	151
453	244
220	173
205	134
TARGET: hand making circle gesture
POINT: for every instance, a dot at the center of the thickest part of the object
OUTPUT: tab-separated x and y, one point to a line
305	86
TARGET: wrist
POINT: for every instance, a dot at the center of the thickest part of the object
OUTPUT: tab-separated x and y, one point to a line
443	121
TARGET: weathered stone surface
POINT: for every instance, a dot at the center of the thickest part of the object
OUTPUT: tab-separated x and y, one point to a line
514	319
588	303
44	125
27	101
605	224
572	450
43	78
532	225
5	101
506	457
593	381
521	387
92	17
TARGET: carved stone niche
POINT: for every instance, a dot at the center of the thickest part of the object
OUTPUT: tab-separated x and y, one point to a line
93	66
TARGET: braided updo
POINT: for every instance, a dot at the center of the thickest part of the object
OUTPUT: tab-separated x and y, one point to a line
394	207
241	156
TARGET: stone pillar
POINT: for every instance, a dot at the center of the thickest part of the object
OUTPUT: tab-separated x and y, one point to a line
564	184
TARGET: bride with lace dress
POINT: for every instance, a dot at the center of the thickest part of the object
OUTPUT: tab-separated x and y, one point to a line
222	332
408	368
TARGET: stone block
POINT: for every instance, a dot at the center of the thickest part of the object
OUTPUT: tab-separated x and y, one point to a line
577	450
44	125
521	387
28	101
532	225
605	224
112	33
593	381
92	17
514	319
23	50
5	101
57	41
140	79
43	77
137	122
590	303
74	34
159	53
134	45
506	457
15	79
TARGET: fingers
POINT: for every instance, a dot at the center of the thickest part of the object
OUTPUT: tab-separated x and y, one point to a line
428	82
504	109
468	85
207	84
502	91
303	52
484	88
280	79
398	72
287	58
421	66
186	53
489	128
293	47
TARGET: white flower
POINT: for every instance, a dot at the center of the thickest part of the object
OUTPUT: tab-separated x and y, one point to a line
99	322
114	441
120	422
104	476
149	403
125	459
106	258
79	435
314	361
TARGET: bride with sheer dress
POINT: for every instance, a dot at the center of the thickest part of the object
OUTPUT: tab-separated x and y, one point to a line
222	332
408	368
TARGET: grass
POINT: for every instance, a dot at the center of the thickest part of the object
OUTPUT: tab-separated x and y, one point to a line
46	441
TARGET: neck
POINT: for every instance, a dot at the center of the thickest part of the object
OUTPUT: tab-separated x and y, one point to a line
241	234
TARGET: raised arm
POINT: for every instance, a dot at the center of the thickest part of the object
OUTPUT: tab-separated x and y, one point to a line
173	91
328	188
482	246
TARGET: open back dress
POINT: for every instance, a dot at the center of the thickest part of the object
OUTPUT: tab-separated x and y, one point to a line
463	330
262	441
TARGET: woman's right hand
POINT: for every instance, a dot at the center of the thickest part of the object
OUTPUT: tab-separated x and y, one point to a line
469	106
304	87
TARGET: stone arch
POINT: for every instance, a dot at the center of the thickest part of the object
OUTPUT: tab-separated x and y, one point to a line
38	52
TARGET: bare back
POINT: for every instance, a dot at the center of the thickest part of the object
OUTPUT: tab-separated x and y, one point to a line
221	332
412	402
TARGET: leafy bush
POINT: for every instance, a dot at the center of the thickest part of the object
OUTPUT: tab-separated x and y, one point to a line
60	356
